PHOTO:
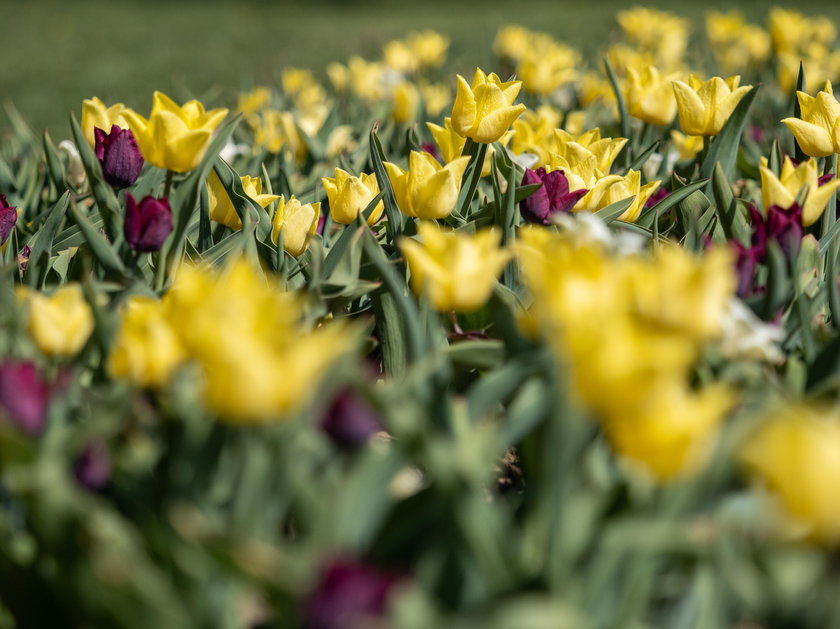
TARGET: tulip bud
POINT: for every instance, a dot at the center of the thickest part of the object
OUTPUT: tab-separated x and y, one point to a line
785	226
24	396
92	467
8	218
552	197
119	156
350	421
148	224
350	593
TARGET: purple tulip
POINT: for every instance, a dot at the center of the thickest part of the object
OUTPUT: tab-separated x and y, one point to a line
551	197
8	218
656	197
350	593
148	223
92	468
350	421
119	156
24	395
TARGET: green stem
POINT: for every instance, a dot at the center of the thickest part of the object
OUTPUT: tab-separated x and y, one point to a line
830	256
160	266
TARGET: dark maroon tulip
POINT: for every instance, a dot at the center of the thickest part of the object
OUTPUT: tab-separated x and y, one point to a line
350	421
431	149
785	227
550	198
322	220
8	218
24	395
656	197
118	155
349	594
148	223
93	466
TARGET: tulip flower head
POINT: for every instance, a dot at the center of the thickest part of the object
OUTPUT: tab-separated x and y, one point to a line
795	183
427	190
817	131
60	324
551	198
704	107
221	207
96	115
297	222
24	395
484	110
147	224
118	156
174	137
454	271
650	96
8	218
350	421
349	195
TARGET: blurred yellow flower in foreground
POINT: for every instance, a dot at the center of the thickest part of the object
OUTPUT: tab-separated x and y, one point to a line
427	190
297	221
221	207
630	328
175	138
454	271
95	114
705	106
484	110
795	454
146	350
257	359
59	324
348	196
795	182
817	131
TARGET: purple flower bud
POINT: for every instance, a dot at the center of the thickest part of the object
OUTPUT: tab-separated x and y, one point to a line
24	396
350	421
552	197
431	149
656	197
92	468
322	220
148	224
119	156
785	226
23	257
8	218
350	594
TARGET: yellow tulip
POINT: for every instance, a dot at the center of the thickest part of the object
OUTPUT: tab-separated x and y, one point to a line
349	195
250	103
613	188
687	145
660	34
146	350
736	44
175	138
221	207
817	131
704	107
484	110
533	133
604	150
451	145
794	181
297	222
427	190
792	31
61	323
793	455
428	47
545	69
436	97
650	96
406	102
454	271
96	115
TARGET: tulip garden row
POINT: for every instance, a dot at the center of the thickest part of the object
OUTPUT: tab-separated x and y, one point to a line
416	349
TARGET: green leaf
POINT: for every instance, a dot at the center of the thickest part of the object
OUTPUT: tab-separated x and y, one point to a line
392	210
55	167
724	148
639	161
801	86
649	217
42	242
478	354
523	192
614	210
472	175
733	222
102	250
623	116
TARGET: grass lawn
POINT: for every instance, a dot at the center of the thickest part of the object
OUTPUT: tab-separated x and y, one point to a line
55	53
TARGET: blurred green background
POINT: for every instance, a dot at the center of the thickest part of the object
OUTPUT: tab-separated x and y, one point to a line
57	52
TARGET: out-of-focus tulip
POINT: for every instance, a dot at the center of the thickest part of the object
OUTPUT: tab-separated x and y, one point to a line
24	395
454	271
350	421
119	156
484	110
297	222
687	145
147	224
92	468
146	350
60	323
406	103
8	218
794	181
817	131
96	115
427	190
705	106
650	96
349	195
175	138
